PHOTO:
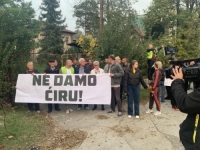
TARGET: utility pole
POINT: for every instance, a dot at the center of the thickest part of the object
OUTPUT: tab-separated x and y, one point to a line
101	16
108	5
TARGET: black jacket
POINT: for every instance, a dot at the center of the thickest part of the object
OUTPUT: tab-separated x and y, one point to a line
133	79
50	71
189	104
86	69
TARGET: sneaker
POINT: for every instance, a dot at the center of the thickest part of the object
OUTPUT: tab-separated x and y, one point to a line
137	117
87	108
125	98
70	110
157	113
49	111
67	111
94	108
38	111
78	108
175	108
149	111
119	113
58	109
129	116
110	111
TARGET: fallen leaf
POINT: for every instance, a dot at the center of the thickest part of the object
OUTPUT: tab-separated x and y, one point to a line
10	137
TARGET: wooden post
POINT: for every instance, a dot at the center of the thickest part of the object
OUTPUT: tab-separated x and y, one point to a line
101	16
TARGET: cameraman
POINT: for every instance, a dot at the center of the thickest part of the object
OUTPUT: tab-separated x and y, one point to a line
190	104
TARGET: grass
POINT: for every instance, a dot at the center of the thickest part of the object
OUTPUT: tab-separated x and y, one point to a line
144	94
28	128
39	67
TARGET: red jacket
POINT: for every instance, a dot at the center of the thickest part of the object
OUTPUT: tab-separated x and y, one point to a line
156	79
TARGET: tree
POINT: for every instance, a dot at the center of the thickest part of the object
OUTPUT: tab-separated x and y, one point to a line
17	30
118	35
78	34
88	45
181	23
87	14
52	24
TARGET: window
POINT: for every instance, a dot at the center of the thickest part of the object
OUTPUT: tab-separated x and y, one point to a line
67	40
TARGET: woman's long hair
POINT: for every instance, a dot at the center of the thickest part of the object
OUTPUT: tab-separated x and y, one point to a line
158	65
132	63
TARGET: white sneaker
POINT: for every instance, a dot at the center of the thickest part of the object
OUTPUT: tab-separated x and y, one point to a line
38	111
137	117
119	113
78	108
70	110
157	113
149	111
129	116
87	108
67	111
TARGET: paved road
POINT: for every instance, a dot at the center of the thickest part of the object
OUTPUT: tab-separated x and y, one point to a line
110	132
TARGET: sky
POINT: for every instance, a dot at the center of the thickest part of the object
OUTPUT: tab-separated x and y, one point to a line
67	9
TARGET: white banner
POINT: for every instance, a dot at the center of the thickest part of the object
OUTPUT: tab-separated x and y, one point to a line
63	89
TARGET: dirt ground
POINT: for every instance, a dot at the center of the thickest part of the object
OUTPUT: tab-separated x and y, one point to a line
100	130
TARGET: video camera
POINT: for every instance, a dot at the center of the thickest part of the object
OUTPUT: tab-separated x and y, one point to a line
190	73
169	50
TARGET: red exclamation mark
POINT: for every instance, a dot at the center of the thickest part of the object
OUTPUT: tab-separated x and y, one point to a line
80	96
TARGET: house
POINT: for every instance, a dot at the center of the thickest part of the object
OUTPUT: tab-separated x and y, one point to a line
67	38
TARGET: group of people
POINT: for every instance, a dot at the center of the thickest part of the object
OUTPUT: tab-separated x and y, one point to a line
125	82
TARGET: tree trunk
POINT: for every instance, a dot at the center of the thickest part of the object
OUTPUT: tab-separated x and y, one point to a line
101	16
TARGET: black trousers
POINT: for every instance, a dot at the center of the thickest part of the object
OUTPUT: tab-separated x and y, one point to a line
56	106
169	94
30	106
168	88
80	105
95	106
150	64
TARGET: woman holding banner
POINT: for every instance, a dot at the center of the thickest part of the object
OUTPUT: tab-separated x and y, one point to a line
30	70
132	79
97	70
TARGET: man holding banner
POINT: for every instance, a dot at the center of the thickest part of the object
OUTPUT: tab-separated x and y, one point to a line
82	68
68	69
52	69
116	73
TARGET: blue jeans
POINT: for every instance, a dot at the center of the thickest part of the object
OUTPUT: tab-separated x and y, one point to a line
162	89
133	94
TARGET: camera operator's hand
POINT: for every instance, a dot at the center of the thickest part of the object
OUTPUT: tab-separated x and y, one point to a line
178	73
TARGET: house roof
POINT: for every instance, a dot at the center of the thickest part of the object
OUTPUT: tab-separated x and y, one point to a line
68	31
